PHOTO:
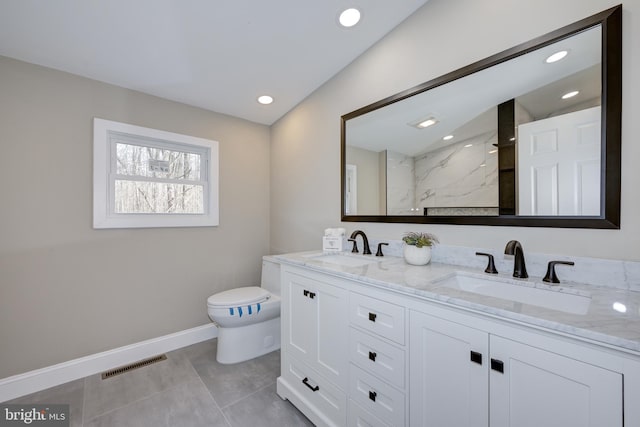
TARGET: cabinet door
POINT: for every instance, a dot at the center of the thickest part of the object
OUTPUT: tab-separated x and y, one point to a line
315	330
541	388
299	317
333	334
447	388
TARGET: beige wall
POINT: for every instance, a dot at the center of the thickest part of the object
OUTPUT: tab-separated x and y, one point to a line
67	290
368	169
440	37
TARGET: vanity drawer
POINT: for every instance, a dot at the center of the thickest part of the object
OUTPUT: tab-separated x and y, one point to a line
377	357
358	417
319	393
378	317
376	397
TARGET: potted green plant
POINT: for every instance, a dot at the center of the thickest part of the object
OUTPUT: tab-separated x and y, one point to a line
417	248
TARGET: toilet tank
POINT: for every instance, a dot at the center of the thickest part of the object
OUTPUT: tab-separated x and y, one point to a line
270	275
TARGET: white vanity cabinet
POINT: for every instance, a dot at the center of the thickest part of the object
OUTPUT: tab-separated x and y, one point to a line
462	376
362	355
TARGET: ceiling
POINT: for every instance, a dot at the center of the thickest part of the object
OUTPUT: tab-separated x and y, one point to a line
215	54
465	107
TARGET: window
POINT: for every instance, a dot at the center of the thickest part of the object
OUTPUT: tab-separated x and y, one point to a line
150	178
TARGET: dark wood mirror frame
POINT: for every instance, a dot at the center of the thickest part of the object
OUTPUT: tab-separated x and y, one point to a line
611	22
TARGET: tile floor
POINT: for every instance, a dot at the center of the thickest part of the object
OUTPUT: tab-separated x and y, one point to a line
188	389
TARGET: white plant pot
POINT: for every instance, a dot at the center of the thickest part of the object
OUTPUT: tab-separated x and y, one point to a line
417	256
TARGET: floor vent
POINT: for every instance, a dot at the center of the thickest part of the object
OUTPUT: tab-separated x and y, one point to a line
132	366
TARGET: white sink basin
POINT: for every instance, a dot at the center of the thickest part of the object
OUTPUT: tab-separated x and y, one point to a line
344	259
539	295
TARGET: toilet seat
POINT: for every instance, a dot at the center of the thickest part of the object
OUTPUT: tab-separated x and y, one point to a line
238	297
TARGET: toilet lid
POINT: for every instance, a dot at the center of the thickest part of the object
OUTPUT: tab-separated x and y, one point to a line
237	297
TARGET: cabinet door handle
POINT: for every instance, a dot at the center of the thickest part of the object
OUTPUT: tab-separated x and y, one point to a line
305	381
372	395
497	365
372	317
372	356
312	295
476	357
305	292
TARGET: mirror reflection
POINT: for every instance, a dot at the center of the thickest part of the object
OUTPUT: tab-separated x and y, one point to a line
519	138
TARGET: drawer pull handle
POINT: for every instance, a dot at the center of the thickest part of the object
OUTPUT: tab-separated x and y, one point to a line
312	295
372	356
305	381
372	395
372	317
306	293
476	357
497	365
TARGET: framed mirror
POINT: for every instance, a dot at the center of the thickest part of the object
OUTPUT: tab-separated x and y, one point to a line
522	138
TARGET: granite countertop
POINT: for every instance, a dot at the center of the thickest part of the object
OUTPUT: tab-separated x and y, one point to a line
588	312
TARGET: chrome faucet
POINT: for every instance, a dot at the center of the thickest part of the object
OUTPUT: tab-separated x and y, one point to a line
519	268
365	242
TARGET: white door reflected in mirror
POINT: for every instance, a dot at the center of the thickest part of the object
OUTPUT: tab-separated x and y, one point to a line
559	165
351	190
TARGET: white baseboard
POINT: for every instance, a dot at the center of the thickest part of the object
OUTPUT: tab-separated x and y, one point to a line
40	379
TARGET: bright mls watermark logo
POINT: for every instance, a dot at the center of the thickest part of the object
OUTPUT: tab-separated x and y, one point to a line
34	415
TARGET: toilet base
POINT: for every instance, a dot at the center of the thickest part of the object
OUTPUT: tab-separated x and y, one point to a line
246	342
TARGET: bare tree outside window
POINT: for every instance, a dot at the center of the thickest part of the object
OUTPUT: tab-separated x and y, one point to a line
157	181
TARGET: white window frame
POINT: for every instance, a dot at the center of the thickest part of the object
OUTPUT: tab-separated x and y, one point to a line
104	215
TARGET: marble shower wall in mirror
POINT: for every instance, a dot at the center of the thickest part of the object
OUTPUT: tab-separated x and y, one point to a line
401	183
459	179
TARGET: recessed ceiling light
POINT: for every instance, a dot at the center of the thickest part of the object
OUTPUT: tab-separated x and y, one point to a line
426	123
468	145
448	137
349	17
570	94
493	151
556	56
483	165
265	99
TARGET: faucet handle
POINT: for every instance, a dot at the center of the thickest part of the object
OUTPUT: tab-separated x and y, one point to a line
491	266
355	246
379	252
551	276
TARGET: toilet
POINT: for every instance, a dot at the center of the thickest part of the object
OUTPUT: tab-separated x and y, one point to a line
248	318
